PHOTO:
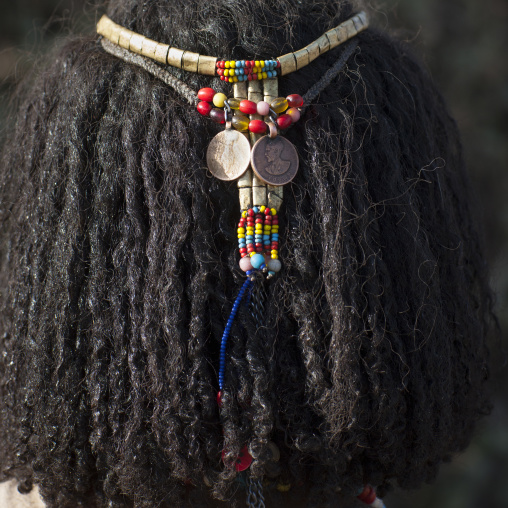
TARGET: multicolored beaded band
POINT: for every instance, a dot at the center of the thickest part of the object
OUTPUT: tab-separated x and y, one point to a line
233	71
283	111
208	65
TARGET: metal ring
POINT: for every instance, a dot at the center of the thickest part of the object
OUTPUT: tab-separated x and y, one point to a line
273	130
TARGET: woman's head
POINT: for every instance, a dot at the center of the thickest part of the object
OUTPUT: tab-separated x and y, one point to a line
118	273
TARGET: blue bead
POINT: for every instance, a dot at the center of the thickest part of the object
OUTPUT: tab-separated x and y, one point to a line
238	63
257	260
243	63
255	209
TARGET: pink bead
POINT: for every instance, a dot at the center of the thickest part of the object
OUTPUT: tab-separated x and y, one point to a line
263	108
245	264
294	114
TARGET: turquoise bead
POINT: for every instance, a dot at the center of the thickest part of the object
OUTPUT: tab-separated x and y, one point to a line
257	261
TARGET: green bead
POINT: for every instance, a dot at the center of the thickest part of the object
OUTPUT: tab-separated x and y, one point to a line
234	103
279	105
240	122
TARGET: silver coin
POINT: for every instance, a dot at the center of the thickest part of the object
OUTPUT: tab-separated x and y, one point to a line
228	155
275	160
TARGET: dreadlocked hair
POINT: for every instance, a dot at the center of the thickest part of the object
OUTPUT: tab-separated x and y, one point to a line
118	271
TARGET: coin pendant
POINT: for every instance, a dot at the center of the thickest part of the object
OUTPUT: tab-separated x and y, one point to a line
275	161
228	155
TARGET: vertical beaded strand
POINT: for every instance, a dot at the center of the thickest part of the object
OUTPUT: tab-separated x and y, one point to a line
245	181
258	186
270	93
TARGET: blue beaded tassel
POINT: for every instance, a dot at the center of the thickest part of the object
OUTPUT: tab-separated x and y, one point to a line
245	288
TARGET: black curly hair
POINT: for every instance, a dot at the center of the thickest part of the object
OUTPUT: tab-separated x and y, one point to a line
118	271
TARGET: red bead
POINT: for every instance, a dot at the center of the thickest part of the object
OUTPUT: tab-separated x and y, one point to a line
220	72
250	77
244	460
248	107
257	126
368	496
267	211
218	115
284	121
278	64
222	78
251	212
295	100
206	94
259	221
204	108
219	398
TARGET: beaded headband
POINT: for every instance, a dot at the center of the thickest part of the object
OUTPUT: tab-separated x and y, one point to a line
211	66
261	164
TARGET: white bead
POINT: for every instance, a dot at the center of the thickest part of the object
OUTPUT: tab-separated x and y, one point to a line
274	265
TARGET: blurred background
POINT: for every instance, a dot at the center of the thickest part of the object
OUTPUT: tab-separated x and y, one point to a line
463	44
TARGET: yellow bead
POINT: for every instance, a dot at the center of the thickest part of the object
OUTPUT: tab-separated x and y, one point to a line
232	64
274	212
274	251
260	76
279	105
240	235
262	209
226	65
244	213
265	75
257	63
234	103
262	63
255	70
252	253
240	122
235	79
283	487
274	256
218	100
240	230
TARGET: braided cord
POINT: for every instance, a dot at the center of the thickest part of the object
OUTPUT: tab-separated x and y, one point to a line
329	75
255	498
152	68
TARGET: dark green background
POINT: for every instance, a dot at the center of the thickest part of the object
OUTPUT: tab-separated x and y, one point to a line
464	44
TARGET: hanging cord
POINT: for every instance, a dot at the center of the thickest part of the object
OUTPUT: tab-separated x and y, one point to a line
255	498
257	303
190	95
329	75
152	68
